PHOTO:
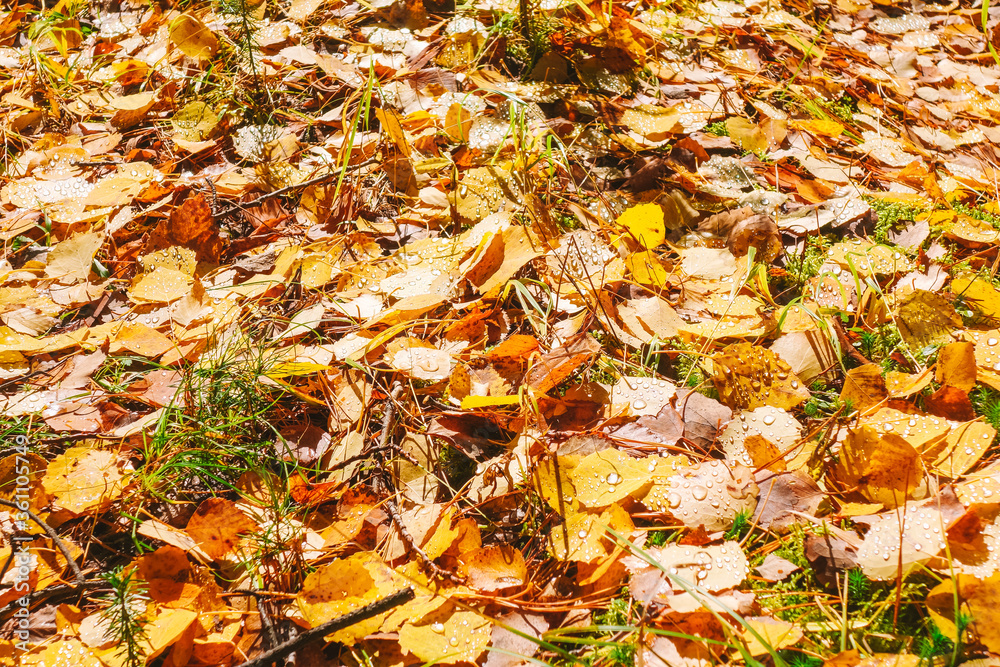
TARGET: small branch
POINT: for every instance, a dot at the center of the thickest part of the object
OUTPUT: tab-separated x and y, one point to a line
339	623
80	579
390	505
845	342
288	188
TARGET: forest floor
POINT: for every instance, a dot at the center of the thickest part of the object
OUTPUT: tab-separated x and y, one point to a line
540	332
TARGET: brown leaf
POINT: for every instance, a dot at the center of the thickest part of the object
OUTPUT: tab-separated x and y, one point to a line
217	525
558	364
776	568
703	417
759	232
191	225
864	386
829	555
784	498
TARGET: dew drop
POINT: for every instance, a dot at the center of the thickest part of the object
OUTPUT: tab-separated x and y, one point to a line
699	492
438	628
768	420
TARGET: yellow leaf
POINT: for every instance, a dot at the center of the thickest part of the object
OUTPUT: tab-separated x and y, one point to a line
447	635
747	135
193	37
646	269
956	366
749	376
608	476
774	635
69	261
823	128
342	586
83	479
645	223
495	567
161	286
475	402
140	339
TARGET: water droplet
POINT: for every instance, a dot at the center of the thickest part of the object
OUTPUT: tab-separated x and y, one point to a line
768	420
613	478
452	642
674	500
699	492
638	404
992	341
438	628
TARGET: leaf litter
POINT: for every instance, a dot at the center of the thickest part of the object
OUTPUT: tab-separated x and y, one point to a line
680	320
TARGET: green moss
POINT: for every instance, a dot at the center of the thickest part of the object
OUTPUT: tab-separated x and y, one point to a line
803	266
718	128
891	216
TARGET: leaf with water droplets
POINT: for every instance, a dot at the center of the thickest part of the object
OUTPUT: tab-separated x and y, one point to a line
889	545
879	464
641	395
608	476
708	494
748	376
83	479
987	356
446	636
343	585
422	363
584	263
583	537
774	426
715	568
926	318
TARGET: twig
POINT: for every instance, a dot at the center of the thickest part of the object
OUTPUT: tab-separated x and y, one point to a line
390	505
80	579
265	619
845	342
53	594
339	623
289	188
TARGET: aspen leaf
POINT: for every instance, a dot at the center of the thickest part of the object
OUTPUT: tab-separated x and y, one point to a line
646	269
881	465
774	634
494	568
193	37
217	525
446	636
748	377
708	494
82	479
913	539
607	477
343	585
645	223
